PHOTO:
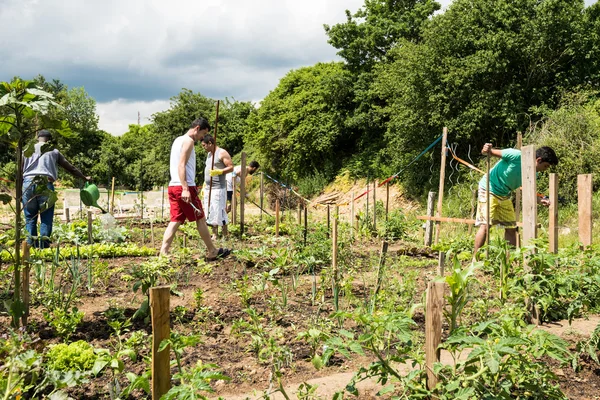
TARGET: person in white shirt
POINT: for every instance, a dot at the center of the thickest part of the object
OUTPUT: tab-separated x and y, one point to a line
237	174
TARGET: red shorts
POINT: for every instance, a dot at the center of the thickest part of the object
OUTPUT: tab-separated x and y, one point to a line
180	210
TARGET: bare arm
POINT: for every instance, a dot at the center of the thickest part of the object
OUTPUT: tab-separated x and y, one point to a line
494	152
186	150
227	161
70	168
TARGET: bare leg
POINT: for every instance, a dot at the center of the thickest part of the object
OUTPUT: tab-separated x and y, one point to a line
205	235
168	237
510	235
480	238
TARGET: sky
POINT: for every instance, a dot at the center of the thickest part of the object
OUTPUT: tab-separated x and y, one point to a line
134	55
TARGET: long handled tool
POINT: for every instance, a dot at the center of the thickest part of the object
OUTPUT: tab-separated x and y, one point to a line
487	209
213	155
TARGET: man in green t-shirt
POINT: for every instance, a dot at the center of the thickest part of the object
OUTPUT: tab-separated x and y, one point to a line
505	177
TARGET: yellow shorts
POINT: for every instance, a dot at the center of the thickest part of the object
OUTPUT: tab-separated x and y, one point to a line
502	211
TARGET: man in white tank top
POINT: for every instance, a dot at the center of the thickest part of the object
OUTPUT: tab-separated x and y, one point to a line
183	194
214	173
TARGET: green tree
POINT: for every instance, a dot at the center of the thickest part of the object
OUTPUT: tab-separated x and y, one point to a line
299	128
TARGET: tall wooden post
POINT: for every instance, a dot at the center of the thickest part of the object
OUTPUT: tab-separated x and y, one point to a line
112	196
473	208
89	226
488	207
433	329
161	330
67	215
262	191
242	193
328	220
277	217
234	202
518	193
367	205
374	205
584	203
305	222
529	195
553	214
387	200
442	179
299	212
429	223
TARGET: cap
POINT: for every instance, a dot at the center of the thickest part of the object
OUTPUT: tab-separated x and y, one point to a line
44	133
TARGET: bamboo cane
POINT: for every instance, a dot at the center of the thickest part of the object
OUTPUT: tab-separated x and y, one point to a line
213	155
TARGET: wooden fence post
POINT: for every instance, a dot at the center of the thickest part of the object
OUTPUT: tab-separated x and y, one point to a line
305	222
234	203
442	179
89	226
161	329
518	193
433	329
584	206
429	224
529	194
374	205
262	191
67	215
112	197
277	217
299	212
242	193
352	229
553	214
328	220
387	201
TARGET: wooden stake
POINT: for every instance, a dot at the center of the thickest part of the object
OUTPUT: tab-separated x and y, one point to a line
433	329
67	215
429	223
487	204
584	203
161	330
299	212
442	179
387	200
518	193
553	214
441	263
262	191
529	196
89	226
243	193
374	205
25	281
277	217
305	222
234	203
380	269
328	220
112	196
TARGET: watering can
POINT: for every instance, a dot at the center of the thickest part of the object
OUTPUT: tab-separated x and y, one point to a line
89	195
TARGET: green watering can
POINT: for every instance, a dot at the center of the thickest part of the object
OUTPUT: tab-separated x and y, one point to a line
89	195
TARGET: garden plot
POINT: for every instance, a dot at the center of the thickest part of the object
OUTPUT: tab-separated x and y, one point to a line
276	318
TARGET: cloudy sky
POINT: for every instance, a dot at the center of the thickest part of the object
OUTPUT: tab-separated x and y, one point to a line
133	55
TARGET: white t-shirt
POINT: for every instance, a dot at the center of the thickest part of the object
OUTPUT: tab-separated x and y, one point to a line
237	174
190	166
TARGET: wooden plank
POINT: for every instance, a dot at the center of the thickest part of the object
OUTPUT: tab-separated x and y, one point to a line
161	329
553	214
429	224
242	193
433	329
529	195
584	203
518	193
441	187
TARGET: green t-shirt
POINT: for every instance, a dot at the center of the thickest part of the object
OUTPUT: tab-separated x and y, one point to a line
506	174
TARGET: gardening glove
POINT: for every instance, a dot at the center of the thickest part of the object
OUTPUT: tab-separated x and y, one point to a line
202	192
216	172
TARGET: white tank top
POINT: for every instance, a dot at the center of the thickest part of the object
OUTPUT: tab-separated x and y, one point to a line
190	166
